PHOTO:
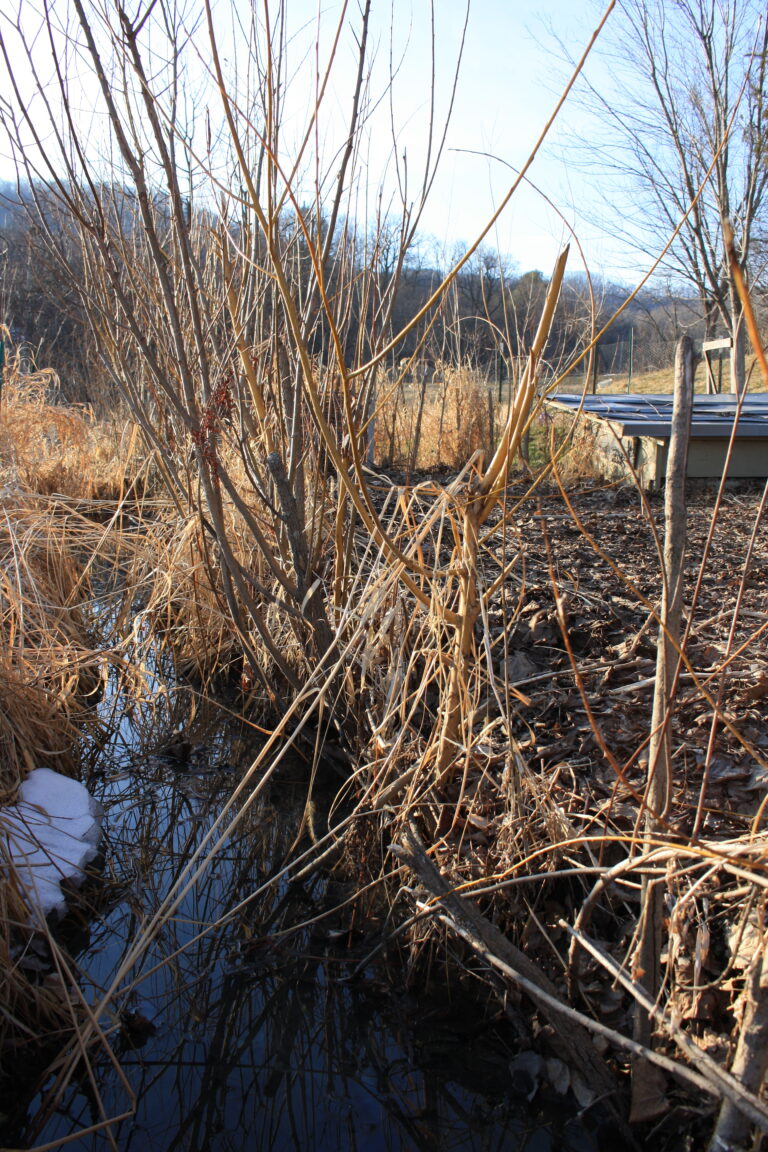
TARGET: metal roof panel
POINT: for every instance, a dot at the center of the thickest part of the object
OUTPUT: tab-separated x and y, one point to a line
650	414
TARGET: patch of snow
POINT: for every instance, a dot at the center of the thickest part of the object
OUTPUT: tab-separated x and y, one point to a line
47	836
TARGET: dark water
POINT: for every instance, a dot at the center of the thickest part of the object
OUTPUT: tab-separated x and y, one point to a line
237	1030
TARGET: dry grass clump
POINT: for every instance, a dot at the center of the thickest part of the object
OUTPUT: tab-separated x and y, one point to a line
461	413
49	447
183	601
34	731
48	669
573	443
179	603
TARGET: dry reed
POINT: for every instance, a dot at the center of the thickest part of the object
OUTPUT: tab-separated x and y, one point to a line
461	415
47	446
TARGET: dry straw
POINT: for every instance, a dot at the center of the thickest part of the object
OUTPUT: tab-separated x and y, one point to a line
48	446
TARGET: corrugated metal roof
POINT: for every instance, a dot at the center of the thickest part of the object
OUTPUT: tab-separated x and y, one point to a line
650	414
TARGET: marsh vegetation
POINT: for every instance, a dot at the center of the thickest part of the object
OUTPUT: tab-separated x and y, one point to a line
388	701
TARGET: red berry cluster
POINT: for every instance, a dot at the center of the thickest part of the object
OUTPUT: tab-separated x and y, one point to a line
219	407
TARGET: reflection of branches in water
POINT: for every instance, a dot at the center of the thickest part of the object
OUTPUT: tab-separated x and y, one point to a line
298	1061
254	1033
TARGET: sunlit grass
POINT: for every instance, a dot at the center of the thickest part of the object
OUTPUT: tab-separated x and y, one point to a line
47	446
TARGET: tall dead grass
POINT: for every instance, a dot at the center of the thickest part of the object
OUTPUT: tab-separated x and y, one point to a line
48	667
50	677
50	447
461	414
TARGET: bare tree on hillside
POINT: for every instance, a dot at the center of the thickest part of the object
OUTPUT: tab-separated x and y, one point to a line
688	137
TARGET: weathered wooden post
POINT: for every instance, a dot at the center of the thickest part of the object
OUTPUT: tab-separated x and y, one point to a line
647	1099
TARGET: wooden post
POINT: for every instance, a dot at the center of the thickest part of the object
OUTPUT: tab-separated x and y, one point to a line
647	1099
722	347
631	358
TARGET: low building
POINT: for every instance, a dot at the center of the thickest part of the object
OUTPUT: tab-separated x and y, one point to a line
631	433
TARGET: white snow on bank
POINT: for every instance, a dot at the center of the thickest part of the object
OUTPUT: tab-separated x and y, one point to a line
49	835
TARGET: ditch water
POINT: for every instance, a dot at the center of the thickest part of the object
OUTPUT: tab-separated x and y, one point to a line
236	1030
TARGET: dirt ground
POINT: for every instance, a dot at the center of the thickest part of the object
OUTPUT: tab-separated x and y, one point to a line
609	575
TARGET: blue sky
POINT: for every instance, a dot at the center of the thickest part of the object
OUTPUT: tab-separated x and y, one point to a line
509	84
510	79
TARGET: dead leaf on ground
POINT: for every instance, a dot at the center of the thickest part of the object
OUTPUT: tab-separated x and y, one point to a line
518	667
758	690
649	1092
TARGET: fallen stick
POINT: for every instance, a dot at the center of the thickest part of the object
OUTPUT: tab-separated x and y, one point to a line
648	682
559	1009
487	940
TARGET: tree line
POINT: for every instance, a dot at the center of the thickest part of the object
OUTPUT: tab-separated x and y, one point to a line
485	322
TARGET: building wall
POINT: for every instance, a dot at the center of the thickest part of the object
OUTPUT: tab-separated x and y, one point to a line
648	457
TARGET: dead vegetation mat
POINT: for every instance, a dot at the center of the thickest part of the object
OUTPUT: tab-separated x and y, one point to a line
543	833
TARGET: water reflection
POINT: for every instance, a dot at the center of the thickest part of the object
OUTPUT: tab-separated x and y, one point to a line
232	1033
